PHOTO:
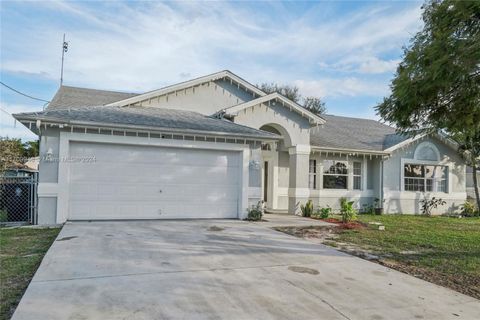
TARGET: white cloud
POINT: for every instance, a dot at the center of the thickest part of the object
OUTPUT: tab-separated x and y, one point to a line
362	64
9	127
348	87
155	44
375	65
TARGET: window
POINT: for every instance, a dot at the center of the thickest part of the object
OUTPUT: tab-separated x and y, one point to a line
425	178
357	176
335	174
312	174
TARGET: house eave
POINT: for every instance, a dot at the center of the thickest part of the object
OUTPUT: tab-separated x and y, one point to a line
350	151
28	121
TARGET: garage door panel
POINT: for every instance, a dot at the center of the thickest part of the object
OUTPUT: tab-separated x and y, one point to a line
153	192
169	210
157	174
115	154
137	182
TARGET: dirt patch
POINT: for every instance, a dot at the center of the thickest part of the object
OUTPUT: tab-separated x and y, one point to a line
347	225
215	228
318	233
303	270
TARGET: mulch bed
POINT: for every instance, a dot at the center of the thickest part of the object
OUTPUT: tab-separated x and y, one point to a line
347	225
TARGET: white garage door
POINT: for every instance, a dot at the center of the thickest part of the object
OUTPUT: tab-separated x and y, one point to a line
139	182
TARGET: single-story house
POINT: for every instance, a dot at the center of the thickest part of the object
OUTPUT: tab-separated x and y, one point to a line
213	146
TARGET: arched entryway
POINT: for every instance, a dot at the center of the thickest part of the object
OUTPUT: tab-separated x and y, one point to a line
275	170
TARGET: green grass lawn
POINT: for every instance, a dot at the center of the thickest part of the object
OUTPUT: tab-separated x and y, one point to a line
21	251
444	247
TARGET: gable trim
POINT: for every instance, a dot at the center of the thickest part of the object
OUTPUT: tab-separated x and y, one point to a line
447	141
225	74
276	97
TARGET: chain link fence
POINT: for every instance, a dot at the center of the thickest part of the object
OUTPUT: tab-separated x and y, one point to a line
18	200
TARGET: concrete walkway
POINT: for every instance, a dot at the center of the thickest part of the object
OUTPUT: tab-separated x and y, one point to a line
220	269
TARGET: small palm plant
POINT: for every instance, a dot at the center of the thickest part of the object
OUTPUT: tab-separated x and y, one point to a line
347	210
307	209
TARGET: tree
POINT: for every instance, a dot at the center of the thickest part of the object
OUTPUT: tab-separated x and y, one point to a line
31	149
14	153
312	104
470	151
437	85
11	152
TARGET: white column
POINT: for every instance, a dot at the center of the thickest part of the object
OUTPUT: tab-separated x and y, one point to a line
298	191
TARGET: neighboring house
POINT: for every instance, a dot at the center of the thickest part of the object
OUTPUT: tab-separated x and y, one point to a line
470	184
212	146
18	172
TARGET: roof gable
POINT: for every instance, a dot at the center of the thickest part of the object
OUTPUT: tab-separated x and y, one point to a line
409	140
276	98
191	83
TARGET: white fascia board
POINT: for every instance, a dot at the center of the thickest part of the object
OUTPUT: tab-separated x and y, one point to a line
189	84
405	143
347	151
317	120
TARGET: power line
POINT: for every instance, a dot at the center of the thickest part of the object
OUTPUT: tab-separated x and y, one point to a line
6	112
23	94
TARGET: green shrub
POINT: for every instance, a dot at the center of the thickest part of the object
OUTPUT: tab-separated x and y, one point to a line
347	210
3	216
323	213
368	209
255	213
469	209
307	209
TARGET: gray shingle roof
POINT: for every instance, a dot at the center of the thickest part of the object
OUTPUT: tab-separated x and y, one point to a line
72	97
158	118
354	133
338	132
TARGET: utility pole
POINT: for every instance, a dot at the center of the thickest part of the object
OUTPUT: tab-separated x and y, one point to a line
64	49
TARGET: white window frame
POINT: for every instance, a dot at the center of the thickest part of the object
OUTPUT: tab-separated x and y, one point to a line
357	175
447	166
312	174
348	174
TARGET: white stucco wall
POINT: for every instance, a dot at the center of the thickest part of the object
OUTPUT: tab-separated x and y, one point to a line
408	202
50	190
330	197
207	98
294	127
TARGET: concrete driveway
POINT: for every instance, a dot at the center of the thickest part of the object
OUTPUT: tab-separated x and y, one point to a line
220	270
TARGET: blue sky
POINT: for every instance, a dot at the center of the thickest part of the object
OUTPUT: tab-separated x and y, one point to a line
344	52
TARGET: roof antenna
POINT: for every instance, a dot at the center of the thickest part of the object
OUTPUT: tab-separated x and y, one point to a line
64	49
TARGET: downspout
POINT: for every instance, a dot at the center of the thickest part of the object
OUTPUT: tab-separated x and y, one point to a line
381	185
